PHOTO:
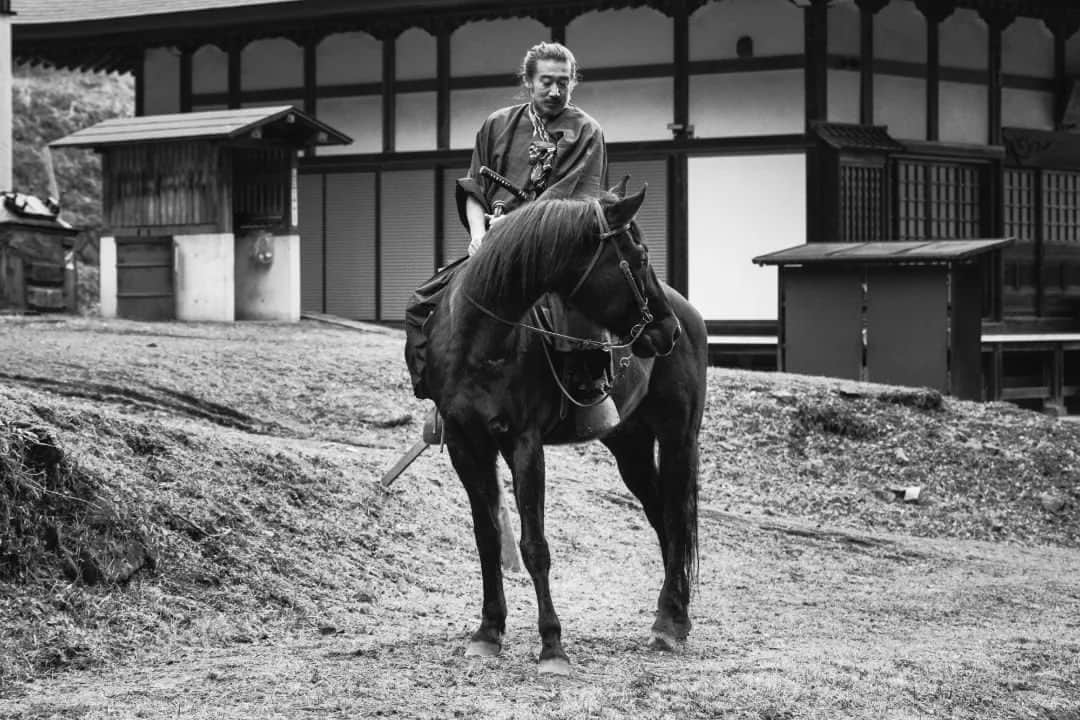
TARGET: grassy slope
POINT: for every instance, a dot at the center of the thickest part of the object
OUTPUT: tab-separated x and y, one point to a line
286	584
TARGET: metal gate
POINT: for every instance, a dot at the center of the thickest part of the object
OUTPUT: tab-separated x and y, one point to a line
144	278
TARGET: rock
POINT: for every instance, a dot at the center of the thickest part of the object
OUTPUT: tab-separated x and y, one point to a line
1052	501
911	494
901	456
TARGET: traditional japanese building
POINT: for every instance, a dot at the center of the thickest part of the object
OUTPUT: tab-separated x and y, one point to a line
758	125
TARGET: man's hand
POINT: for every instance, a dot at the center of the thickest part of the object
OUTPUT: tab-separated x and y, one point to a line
475	243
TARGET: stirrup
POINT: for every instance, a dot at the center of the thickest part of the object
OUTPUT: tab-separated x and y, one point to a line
433	428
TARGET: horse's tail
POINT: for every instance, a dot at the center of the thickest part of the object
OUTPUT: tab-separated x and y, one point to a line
690	525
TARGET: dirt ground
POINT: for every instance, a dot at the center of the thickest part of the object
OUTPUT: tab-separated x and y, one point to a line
821	594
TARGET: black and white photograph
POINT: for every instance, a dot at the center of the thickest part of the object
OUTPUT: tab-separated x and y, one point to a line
540	359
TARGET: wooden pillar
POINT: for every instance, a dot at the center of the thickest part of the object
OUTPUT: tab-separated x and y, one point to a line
235	51
389	93
815	75
678	223
311	76
867	10
996	21
1063	27
185	79
935	12
442	100
816	37
680	16
138	71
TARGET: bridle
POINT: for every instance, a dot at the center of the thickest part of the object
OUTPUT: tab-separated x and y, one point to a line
589	343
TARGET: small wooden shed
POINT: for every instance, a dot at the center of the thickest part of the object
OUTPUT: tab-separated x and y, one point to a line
903	313
200	212
33	243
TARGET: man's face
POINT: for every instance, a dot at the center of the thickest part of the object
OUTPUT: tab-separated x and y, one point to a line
550	87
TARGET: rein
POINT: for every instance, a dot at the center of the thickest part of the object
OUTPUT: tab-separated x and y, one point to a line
624	267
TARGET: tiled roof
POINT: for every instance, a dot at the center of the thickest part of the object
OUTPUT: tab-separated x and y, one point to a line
63	11
215	125
916	251
857	137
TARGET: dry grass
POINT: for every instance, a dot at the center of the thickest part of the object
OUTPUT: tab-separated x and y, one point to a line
244	458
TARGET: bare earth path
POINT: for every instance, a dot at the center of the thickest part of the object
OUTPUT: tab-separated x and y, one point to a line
794	617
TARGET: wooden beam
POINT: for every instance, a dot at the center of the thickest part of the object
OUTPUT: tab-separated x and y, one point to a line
678	246
311	75
867	10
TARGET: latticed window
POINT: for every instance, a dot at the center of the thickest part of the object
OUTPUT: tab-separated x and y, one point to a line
1061	242
1020	259
938	200
862	190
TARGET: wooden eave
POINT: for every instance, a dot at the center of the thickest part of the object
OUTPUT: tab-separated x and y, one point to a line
883	253
115	42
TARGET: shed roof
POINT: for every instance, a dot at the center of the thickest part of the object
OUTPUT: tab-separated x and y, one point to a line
891	253
279	124
842	136
28	12
27	211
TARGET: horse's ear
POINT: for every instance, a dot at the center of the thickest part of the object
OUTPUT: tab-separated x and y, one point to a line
623	210
620	189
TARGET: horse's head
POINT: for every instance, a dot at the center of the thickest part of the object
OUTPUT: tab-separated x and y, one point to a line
619	289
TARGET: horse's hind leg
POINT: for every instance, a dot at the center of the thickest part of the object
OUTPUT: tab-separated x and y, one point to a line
525	455
634	448
476	468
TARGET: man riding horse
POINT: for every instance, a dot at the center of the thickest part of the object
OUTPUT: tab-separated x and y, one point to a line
547	148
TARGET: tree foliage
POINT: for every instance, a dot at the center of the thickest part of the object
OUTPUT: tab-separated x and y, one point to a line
50	104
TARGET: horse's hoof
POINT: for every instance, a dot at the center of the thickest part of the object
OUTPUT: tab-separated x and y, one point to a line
482	648
554	666
663	641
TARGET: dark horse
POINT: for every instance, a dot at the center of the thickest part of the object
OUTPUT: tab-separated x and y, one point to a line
490	378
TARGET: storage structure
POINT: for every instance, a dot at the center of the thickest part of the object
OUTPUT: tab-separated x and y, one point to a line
33	244
201	212
903	313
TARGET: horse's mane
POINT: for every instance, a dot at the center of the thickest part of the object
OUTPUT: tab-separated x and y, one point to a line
531	244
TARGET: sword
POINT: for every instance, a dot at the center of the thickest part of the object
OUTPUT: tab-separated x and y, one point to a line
504	182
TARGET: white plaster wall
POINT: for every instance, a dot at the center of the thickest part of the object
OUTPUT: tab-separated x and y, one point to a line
609	102
963	114
205	285
843	96
161	92
776	27
900	32
613	38
344	58
469	108
107	281
271	64
414	55
740	207
495	47
758	103
844	28
1031	109
358	117
414	118
900	103
209	70
1027	48
268	292
964	41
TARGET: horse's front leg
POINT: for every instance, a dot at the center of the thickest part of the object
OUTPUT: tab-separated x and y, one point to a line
473	457
525	456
